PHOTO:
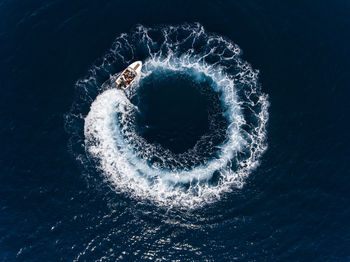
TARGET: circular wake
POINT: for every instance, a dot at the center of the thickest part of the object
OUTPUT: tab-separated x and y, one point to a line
106	137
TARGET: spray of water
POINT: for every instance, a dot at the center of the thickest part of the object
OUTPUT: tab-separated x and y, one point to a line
124	157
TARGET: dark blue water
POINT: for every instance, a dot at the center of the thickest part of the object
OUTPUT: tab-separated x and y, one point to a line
294	206
161	119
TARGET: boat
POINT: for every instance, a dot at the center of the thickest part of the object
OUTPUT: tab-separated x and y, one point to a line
129	75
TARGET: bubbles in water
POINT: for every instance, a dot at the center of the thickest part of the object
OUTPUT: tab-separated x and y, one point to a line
221	158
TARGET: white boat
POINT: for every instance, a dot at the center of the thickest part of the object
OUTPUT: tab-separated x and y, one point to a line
129	75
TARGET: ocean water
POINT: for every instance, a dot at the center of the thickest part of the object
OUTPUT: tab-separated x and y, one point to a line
231	146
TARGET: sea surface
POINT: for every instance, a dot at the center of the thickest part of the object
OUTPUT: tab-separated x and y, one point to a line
232	145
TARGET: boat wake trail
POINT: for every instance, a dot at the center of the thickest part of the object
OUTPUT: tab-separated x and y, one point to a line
103	120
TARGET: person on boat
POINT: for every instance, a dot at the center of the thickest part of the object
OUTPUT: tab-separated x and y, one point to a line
122	83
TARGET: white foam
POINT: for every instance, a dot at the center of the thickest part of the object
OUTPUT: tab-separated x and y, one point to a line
123	155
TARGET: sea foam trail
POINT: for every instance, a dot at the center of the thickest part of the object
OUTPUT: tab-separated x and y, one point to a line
125	158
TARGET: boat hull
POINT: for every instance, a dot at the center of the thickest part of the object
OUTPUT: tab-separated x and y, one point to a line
129	75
